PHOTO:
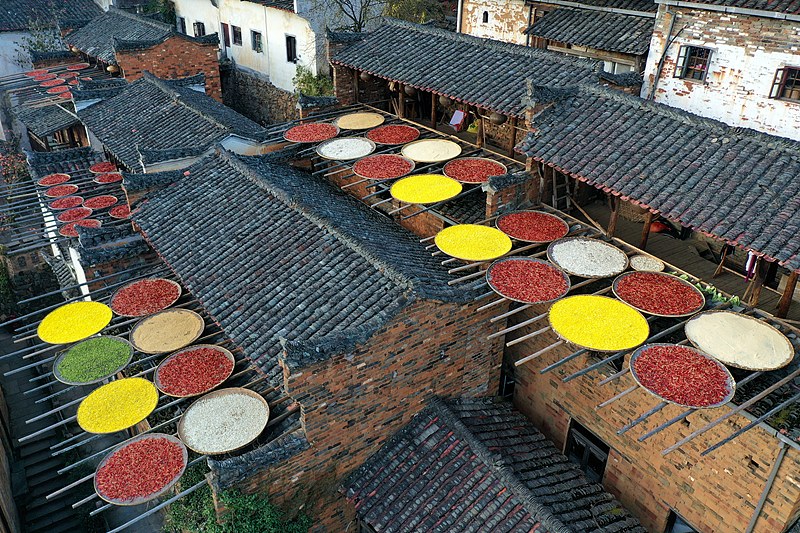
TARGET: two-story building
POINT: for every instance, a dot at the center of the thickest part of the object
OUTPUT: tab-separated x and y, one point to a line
734	61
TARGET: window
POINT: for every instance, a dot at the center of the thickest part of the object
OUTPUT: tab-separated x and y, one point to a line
613	67
199	29
181	25
237	35
291	49
787	84
226	35
485	17
676	524
588	451
693	63
255	39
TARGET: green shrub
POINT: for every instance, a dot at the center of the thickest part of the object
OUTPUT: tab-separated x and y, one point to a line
305	82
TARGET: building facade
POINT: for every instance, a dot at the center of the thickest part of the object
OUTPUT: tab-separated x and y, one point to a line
740	65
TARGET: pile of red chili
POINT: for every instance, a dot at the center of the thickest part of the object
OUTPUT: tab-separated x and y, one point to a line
532	226
120	211
311	133
61	190
100	168
78	66
193	371
111	177
35	73
526	280
473	169
68	230
66	202
53	179
45	76
383	167
658	293
393	134
58	90
76	213
139	469
145	297
53	82
100	202
682	375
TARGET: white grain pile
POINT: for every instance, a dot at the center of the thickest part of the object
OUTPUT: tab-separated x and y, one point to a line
223	422
589	258
645	263
346	148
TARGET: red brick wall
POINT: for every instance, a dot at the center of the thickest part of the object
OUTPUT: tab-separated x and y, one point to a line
176	57
351	404
714	493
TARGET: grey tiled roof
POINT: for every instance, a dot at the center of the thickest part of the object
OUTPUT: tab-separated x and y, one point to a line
278	256
97	37
482	72
45	120
644	6
152	115
64	161
789	7
286	5
475	465
15	15
736	184
615	32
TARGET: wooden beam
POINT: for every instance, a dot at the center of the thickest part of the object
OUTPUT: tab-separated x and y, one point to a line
401	101
355	86
612	221
512	141
648	221
434	114
725	249
788	294
479	139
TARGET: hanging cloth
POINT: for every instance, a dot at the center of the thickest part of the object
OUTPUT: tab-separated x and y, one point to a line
750	266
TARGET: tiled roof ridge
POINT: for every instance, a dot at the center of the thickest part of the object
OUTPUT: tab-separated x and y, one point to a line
496	463
147	20
494	44
70	154
724	130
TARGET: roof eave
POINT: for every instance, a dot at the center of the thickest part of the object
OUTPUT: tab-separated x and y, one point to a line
731	10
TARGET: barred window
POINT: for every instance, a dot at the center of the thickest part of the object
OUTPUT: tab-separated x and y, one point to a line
693	63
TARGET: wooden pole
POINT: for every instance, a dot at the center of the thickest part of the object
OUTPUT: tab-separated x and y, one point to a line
758	282
434	117
648	221
788	293
512	141
401	102
612	222
725	249
479	140
355	86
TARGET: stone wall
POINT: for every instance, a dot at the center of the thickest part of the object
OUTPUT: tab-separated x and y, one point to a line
714	493
176	57
746	52
255	97
352	403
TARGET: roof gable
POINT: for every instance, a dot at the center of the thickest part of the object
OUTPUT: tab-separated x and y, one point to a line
461	66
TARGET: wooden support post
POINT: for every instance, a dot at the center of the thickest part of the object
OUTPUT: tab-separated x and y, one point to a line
434	114
788	293
612	221
648	221
759	282
479	135
725	249
512	141
401	112
355	86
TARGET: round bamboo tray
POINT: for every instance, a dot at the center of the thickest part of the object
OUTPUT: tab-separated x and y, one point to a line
532	260
311	142
730	382
413	166
63	354
321	147
499	219
449	151
198	319
395	143
214	394
219	349
444	169
633	262
572	273
113	296
167	487
359	121
671	277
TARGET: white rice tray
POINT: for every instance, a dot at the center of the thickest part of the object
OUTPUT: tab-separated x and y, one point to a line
346	148
645	263
223	421
587	258
431	150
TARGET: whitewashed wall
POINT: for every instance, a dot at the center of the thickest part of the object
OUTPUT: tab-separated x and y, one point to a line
507	19
746	53
8	53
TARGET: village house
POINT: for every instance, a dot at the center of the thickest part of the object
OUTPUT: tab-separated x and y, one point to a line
737	62
616	32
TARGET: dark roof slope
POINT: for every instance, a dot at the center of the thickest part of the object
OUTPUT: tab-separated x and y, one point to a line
45	120
66	161
735	184
482	72
643	6
152	115
275	255
788	7
16	15
629	34
97	38
475	465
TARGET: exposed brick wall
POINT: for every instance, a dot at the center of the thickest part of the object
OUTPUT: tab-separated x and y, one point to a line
351	404
746	53
714	493
256	98
344	85
176	57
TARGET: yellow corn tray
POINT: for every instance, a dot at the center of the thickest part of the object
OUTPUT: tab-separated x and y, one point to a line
598	323
74	322
425	189
473	242
117	405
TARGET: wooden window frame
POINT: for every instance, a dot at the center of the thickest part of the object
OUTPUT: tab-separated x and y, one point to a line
199	29
592	445
234	31
226	34
291	48
672	518
779	84
256	37
181	24
686	64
